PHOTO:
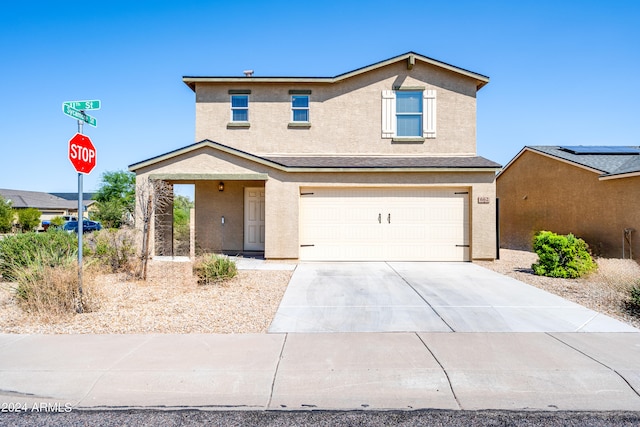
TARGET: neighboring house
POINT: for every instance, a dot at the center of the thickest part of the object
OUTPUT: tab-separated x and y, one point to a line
590	191
375	164
48	204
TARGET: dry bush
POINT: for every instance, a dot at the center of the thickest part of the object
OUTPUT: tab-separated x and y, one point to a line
212	268
617	278
51	293
114	250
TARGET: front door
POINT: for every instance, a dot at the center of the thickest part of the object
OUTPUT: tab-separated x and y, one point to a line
254	219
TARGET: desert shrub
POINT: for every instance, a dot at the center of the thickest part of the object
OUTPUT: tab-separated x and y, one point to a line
561	256
634	294
51	249
50	292
114	248
212	268
57	221
28	218
6	215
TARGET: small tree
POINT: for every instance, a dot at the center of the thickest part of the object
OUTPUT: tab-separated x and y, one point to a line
110	213
6	215
181	218
115	197
28	218
151	196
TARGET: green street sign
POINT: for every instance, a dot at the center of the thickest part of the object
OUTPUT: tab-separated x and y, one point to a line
80	115
84	105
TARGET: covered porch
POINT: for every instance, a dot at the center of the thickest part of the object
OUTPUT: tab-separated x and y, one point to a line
228	215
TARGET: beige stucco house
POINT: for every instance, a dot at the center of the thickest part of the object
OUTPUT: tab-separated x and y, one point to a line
590	191
375	164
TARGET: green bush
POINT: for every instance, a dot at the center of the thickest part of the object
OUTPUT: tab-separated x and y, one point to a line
29	218
213	268
634	293
57	221
6	215
561	256
52	249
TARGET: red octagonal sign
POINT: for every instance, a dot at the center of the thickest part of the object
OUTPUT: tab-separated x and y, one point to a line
82	153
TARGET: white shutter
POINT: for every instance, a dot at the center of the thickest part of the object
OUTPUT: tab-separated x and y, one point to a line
388	114
429	114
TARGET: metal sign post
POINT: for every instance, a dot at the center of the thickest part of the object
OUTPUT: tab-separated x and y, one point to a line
76	109
80	230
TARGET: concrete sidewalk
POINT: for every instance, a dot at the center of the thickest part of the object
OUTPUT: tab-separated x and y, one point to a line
543	371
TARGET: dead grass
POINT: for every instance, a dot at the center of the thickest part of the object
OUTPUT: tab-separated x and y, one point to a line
606	290
51	294
170	301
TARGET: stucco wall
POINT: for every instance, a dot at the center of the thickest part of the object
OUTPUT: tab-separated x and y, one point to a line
345	117
282	191
211	206
539	193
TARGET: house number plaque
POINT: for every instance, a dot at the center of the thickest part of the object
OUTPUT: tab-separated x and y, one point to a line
483	200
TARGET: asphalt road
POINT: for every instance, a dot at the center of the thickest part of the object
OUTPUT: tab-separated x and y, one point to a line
319	418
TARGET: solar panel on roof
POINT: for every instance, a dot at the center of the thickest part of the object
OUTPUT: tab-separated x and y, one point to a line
600	149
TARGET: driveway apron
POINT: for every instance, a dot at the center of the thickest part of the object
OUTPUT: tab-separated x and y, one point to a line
425	297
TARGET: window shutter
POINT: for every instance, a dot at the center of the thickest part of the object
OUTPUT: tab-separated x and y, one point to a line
429	119
388	114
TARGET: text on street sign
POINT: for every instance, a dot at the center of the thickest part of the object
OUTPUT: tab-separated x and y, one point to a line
84	105
82	153
79	115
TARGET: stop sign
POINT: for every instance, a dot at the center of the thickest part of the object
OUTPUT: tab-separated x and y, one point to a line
82	153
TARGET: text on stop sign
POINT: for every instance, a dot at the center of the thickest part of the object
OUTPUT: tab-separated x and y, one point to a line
81	153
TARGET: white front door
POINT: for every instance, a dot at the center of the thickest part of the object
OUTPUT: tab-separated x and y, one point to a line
254	219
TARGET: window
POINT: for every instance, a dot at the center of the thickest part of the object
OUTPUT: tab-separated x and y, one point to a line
409	114
300	108
239	108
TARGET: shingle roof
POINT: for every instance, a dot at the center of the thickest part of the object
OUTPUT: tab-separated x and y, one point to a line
606	163
382	162
353	163
36	199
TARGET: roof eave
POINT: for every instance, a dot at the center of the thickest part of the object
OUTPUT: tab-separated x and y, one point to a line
481	80
619	176
292	169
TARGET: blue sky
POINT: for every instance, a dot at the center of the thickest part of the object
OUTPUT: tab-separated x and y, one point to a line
562	72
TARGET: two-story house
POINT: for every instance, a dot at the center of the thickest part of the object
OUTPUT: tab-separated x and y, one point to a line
378	163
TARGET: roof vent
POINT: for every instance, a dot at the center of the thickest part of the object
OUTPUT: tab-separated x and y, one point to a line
248	73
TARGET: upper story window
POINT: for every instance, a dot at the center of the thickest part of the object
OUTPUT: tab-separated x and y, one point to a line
409	114
239	108
300	108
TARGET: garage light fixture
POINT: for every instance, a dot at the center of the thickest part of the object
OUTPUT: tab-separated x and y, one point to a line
221	186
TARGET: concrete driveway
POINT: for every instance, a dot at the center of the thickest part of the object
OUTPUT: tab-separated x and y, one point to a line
425	297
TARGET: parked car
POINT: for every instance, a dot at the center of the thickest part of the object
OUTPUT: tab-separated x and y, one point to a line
87	226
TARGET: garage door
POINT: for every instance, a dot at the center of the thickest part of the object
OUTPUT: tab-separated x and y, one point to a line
384	224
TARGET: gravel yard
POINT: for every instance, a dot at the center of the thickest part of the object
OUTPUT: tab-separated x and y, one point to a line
171	301
605	290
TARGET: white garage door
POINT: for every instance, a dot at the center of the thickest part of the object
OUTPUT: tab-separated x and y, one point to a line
384	224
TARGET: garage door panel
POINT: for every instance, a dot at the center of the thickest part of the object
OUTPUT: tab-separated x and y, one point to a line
361	224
